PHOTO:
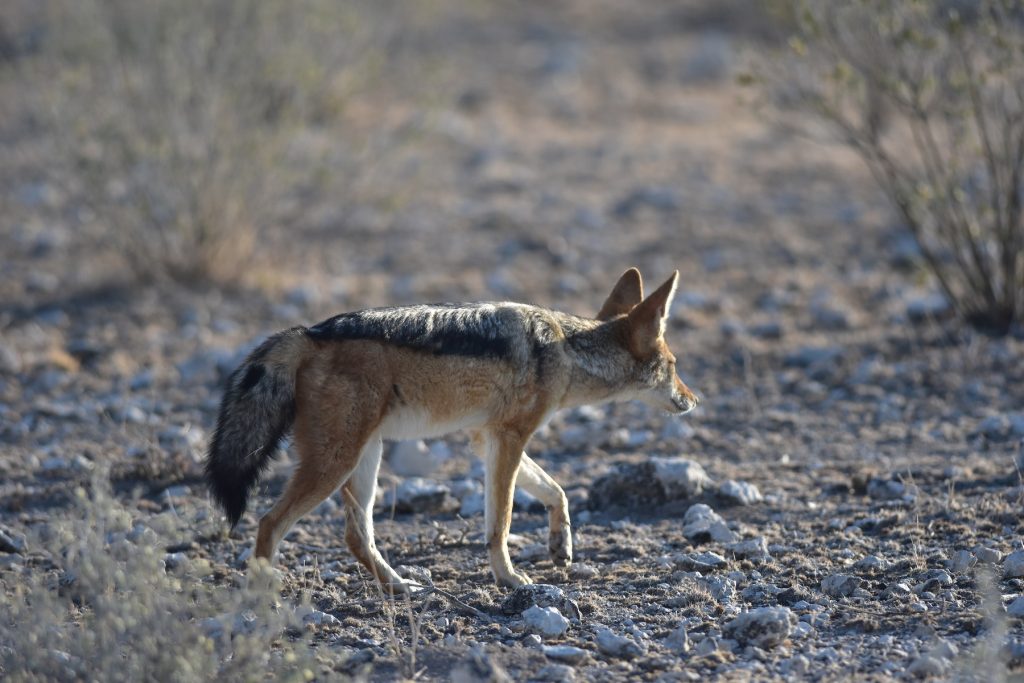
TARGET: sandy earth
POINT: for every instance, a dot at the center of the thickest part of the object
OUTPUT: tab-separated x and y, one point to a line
560	147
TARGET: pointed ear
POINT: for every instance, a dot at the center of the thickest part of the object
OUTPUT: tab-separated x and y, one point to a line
647	320
626	294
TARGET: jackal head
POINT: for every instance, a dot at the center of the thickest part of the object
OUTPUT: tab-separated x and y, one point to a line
653	377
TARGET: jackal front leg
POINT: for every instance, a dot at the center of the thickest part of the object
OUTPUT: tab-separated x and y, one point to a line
503	452
540	485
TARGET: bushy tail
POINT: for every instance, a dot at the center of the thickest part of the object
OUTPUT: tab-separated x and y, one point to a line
257	411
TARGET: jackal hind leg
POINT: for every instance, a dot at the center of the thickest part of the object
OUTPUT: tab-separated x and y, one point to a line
328	443
535	481
358	493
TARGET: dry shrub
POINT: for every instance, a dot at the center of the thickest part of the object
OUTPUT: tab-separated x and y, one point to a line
178	119
930	94
106	608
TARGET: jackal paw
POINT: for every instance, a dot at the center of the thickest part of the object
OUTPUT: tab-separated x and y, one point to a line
401	587
513	580
560	546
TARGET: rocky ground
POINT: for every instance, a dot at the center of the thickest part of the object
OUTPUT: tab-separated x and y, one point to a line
845	504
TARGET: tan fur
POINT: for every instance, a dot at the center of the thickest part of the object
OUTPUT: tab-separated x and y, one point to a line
351	394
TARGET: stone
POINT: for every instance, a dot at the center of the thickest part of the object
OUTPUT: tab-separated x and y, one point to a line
764	627
701	523
11	542
678	641
419	495
680	477
545	621
840	585
411	459
1016	608
614	645
540	595
1013	565
755	549
555	672
887	489
564	653
988	555
318	618
739	492
963	561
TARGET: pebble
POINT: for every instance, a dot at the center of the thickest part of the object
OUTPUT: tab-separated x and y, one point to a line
419	495
963	561
871	564
739	492
988	555
546	621
678	641
540	595
677	430
614	645
555	672
1013	565
532	640
175	563
411	459
701	523
840	585
318	618
764	627
755	549
11	542
564	653
886	489
928	666
680	477
702	561
583	571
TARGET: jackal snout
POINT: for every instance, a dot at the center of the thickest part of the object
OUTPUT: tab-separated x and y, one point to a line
684	399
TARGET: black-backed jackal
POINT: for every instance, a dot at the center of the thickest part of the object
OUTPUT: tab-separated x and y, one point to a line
497	370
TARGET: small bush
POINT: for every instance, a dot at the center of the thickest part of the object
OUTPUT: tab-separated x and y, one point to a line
932	98
177	118
110	605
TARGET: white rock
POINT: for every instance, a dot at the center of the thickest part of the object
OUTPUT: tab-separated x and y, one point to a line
415	459
677	430
739	492
1013	565
546	621
928	666
988	555
765	627
751	549
318	618
614	645
564	653
680	477
840	585
963	561
679	640
701	522
557	673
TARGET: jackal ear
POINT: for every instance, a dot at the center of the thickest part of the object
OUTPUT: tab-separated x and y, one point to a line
647	319
627	293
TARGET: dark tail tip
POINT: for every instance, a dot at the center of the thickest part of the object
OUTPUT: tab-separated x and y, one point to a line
227	491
